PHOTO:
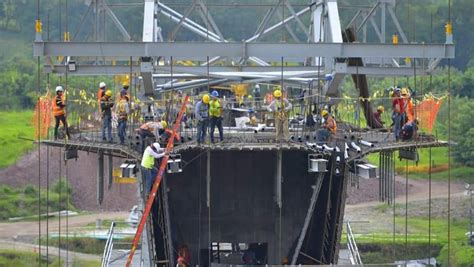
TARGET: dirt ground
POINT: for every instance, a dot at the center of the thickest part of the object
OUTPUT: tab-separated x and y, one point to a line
82	176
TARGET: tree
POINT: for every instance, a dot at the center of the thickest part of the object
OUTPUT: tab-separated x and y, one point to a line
462	130
9	8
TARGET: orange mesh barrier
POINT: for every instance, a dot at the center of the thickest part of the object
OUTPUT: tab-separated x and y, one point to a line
43	110
426	112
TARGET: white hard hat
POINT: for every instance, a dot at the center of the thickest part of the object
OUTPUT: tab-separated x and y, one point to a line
156	145
102	85
59	88
257	86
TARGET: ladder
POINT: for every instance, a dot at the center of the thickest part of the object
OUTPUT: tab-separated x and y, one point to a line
156	184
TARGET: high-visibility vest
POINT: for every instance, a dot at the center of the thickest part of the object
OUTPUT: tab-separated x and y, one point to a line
121	107
334	128
57	110
148	161
215	108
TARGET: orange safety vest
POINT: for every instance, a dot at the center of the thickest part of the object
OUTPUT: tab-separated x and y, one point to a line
57	110
333	122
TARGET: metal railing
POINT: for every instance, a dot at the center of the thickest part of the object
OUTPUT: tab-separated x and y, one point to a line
354	256
109	245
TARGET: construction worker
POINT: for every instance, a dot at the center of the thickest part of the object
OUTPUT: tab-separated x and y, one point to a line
398	114
59	112
257	96
409	109
101	92
280	107
215	112
151	130
409	130
122	110
378	117
149	171
124	91
106	105
329	128
202	116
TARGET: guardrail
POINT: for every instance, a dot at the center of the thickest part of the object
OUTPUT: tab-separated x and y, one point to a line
109	245
352	246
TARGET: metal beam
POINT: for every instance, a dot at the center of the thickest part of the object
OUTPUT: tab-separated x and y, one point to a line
268	51
201	71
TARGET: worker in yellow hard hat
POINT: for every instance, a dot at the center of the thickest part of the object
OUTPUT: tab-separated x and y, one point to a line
124	91
106	104
280	107
151	131
202	116
378	123
328	129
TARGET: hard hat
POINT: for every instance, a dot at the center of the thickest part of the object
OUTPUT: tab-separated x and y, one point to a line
59	88
164	124
108	93
324	112
277	93
404	91
125	85
257	86
205	99
102	85
381	108
215	94
156	145
396	90
249	97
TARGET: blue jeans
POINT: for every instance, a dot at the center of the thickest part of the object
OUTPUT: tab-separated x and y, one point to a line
107	124
398	121
122	130
149	176
201	130
217	122
322	136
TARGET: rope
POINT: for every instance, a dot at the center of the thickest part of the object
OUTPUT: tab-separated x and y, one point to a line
406	211
449	146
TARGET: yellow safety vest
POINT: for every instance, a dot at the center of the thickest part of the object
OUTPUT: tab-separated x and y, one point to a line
148	161
215	108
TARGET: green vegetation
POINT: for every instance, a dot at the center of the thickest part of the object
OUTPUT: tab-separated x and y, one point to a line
379	247
87	245
14	125
23	202
16	258
86	263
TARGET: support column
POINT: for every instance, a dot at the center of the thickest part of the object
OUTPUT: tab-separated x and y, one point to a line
100	177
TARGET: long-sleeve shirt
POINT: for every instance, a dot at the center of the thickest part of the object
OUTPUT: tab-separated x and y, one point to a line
201	111
277	105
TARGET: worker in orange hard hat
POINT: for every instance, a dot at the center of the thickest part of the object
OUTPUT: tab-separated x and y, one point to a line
202	116
280	107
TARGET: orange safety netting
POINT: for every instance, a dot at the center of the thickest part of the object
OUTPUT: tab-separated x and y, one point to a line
42	116
426	112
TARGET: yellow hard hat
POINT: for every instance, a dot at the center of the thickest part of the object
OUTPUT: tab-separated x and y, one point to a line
404	91
125	84
324	112
205	99
249	97
164	124
381	108
277	93
108	93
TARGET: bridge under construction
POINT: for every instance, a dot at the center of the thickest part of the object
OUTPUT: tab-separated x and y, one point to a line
250	195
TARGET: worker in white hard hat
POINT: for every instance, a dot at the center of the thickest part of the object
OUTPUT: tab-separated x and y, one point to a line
257	96
149	170
59	111
101	92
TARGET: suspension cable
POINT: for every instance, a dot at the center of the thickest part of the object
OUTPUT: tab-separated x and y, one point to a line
66	137
449	145
406	211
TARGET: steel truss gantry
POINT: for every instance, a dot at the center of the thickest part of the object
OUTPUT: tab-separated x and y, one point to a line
315	50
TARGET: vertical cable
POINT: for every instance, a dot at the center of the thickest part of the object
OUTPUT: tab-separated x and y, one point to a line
38	91
406	211
449	145
429	209
66	137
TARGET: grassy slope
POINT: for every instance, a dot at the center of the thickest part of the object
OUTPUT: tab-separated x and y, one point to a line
13	125
439	157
